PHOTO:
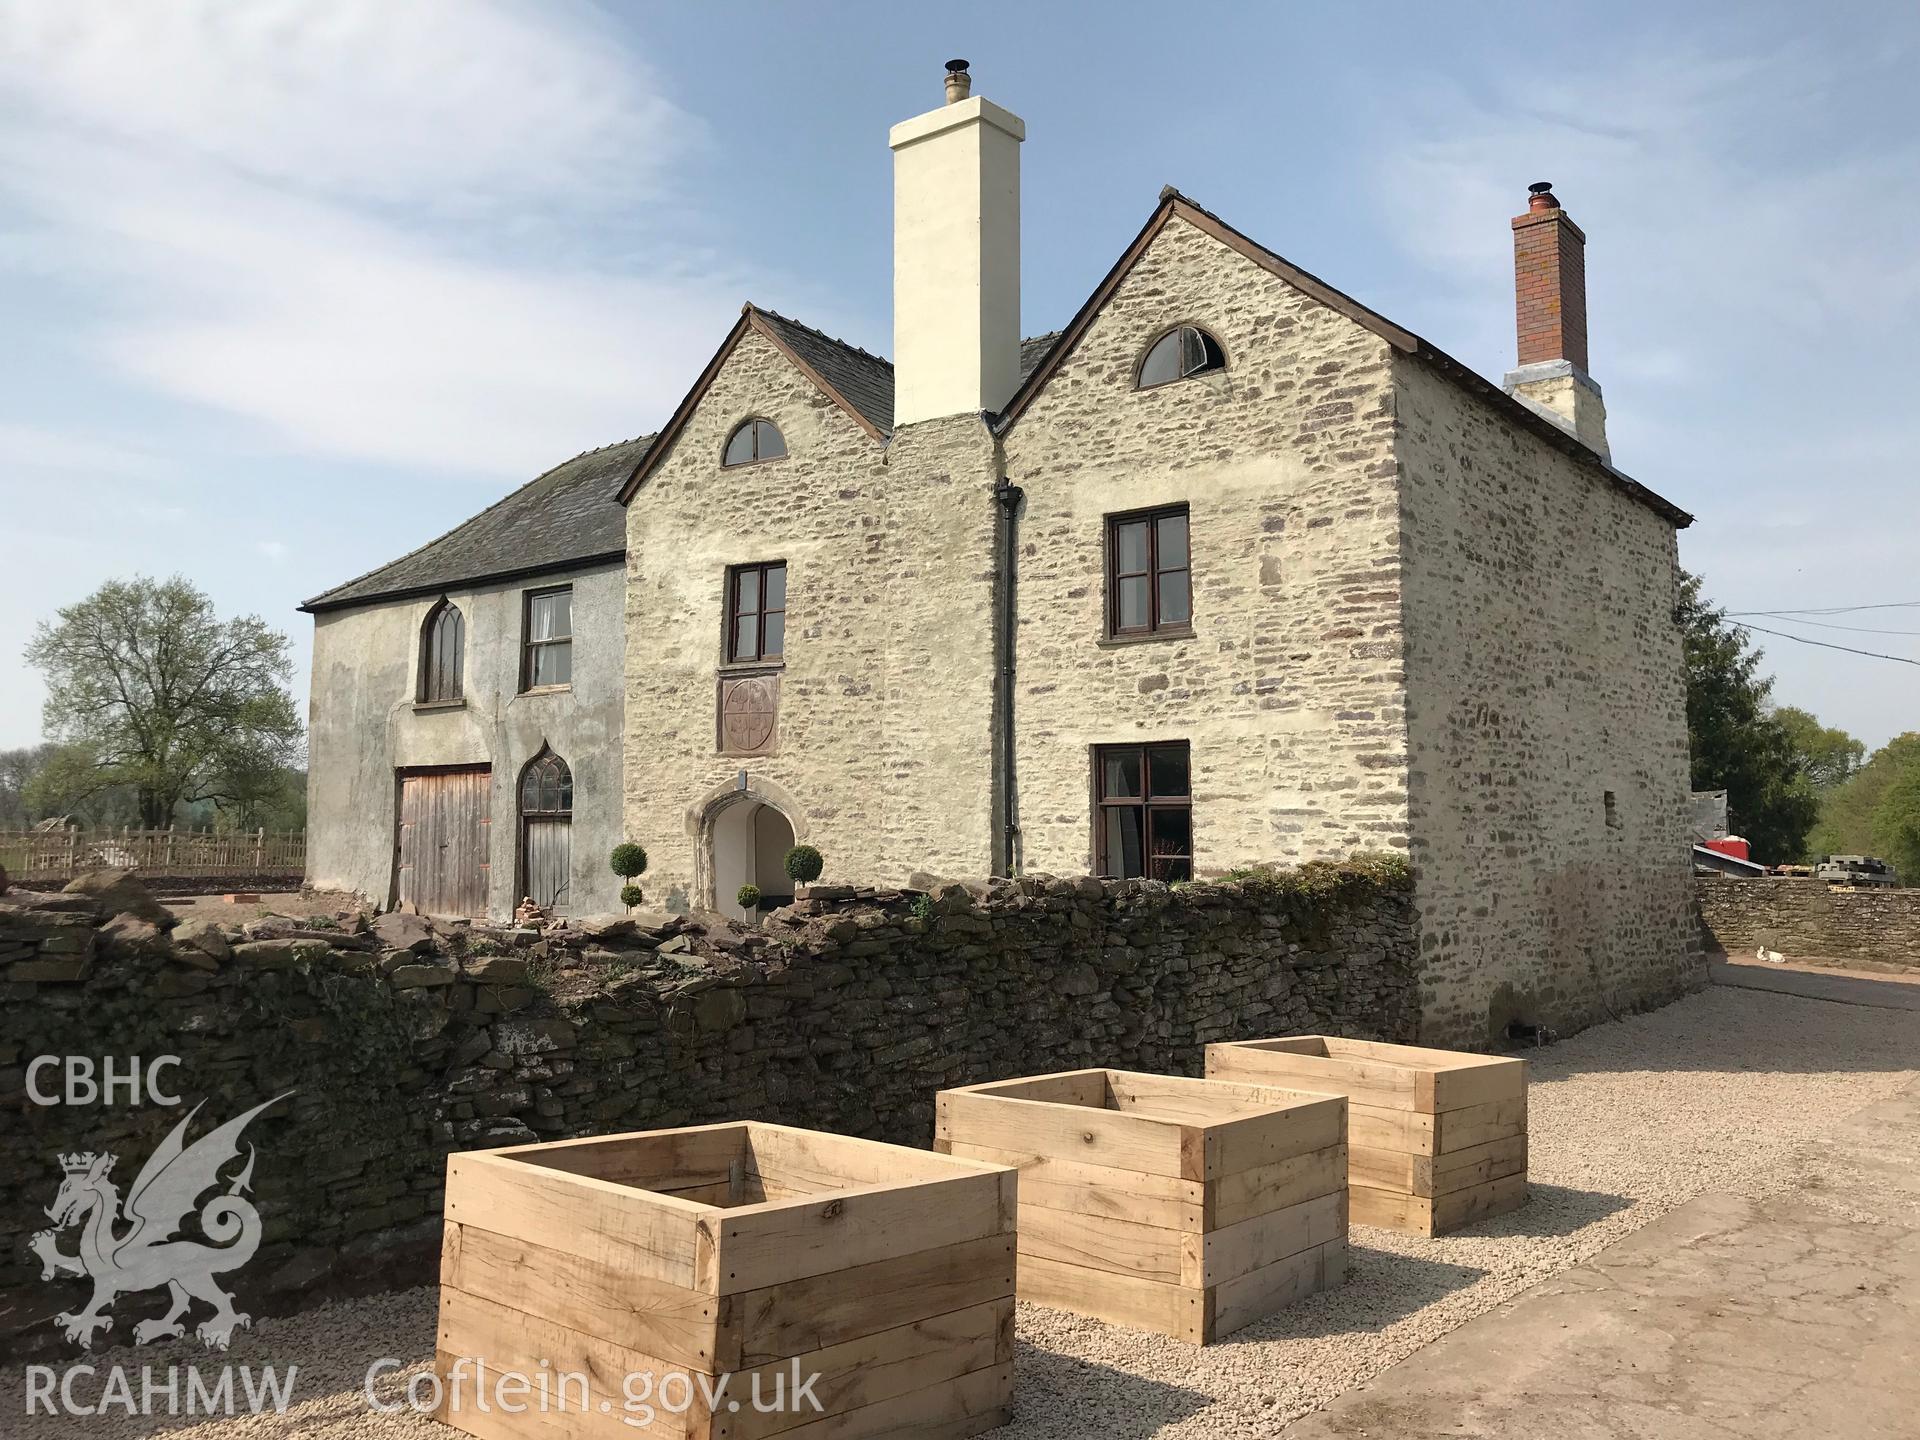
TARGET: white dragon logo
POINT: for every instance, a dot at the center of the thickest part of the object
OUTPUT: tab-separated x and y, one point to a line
147	1255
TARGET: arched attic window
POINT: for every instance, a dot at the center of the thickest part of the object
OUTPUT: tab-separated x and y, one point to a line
755	439
443	639
1183	351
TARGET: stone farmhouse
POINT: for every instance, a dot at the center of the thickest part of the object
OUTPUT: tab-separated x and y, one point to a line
1231	570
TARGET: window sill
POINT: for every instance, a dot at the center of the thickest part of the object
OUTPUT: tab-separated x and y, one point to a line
737	668
547	690
1108	642
427	707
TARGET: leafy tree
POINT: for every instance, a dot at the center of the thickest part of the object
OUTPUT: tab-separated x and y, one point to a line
147	688
63	784
1737	743
271	798
1877	812
1896	825
18	768
1828	756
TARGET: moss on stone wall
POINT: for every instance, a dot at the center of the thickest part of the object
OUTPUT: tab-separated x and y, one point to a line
844	1012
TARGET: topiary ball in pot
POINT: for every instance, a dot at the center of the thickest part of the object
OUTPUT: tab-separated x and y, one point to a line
747	897
628	860
804	864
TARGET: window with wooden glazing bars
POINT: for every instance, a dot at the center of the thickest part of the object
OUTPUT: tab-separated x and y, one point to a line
1149	580
757	612
547	660
1143	811
442	650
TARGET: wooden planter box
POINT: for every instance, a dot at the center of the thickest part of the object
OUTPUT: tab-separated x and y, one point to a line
738	1251
1161	1202
1436	1138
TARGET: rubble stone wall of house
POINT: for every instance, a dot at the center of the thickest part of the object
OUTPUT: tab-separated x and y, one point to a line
1290	689
396	1043
1809	921
1547	718
881	751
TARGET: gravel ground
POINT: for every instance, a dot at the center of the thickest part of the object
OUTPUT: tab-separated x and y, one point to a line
1715	1093
271	902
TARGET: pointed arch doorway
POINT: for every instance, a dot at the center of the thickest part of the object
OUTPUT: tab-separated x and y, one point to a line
546	831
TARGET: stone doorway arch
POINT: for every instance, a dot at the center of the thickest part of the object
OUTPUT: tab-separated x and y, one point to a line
741	834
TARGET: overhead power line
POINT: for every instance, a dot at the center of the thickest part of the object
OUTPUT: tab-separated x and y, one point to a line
1856	629
1831	609
1825	645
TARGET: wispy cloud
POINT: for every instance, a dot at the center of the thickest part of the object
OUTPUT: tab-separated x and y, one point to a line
1753	290
46	453
1711	203
410	234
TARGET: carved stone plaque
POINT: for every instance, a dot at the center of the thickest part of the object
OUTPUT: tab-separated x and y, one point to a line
749	706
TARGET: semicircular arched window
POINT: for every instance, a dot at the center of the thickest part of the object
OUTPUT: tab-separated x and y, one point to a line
443	638
1184	351
755	439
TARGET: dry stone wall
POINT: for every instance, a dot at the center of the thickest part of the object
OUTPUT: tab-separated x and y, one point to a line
1810	922
847	1012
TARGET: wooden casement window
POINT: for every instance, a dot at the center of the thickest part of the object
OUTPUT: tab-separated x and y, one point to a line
1143	811
1183	351
757	612
442	649
547	655
754	440
1149	584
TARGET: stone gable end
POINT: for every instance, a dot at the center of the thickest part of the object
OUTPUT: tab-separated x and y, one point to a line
1547	713
878	688
1290	690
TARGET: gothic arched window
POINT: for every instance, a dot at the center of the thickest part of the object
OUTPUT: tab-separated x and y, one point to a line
546	830
443	641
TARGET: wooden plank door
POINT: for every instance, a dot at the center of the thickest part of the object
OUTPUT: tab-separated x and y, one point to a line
548	861
445	816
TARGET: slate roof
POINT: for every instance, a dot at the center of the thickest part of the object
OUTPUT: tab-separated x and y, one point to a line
564	518
1034	349
864	381
859	382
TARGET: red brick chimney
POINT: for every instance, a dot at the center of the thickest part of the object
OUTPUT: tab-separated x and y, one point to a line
1549	281
1550	320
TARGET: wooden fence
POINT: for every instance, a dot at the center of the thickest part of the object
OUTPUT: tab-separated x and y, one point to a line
41	856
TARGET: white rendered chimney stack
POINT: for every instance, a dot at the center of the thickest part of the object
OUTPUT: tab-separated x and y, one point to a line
956	256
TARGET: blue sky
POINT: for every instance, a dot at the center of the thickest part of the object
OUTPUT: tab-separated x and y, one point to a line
290	289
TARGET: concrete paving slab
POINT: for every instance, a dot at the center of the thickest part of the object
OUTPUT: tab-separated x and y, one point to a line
1785	1318
1846	987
